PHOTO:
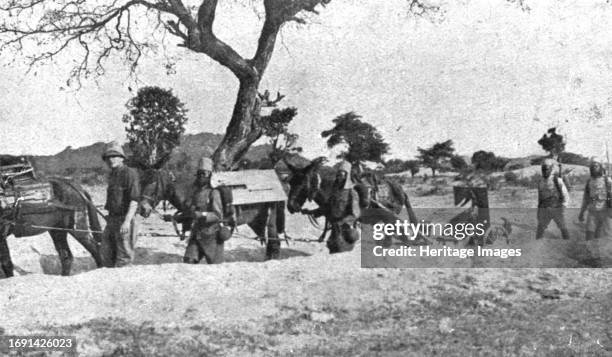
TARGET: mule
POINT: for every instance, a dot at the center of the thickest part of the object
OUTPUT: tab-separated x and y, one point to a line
267	219
308	184
58	218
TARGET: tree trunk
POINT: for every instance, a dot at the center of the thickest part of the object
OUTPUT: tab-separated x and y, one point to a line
433	172
243	129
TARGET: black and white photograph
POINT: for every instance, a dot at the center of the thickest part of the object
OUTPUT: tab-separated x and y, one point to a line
305	178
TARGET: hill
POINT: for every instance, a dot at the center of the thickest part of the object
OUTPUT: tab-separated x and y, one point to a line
87	159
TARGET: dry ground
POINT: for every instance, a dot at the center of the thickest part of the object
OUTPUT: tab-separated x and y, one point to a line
311	303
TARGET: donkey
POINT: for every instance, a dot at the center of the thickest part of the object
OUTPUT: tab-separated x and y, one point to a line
265	219
58	218
307	184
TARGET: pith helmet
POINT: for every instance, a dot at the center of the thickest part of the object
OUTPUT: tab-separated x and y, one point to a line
345	166
113	149
205	164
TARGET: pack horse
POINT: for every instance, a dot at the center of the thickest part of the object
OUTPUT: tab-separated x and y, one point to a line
252	197
29	206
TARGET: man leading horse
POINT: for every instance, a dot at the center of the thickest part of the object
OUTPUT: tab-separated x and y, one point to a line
205	206
341	211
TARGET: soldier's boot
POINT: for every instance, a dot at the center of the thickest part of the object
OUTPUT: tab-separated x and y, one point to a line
565	234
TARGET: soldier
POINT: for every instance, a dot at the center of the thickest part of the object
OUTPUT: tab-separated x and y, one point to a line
553	197
119	237
342	211
206	207
596	200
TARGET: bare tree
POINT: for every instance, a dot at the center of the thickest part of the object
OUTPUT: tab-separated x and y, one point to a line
92	31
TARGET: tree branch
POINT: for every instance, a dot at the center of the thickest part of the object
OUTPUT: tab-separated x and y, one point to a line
278	12
203	40
99	30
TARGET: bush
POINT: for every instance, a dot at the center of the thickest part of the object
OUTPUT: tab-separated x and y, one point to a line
487	161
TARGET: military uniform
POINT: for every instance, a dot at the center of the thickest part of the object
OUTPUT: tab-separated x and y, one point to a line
204	240
117	248
595	202
553	198
342	212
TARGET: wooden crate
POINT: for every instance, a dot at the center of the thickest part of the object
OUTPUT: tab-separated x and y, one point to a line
251	186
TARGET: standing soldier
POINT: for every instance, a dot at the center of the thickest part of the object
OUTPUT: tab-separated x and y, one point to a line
341	211
553	198
597	201
123	194
206	207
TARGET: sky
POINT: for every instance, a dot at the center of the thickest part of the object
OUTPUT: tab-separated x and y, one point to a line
489	77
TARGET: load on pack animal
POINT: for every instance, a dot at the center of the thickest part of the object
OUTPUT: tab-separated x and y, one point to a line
30	206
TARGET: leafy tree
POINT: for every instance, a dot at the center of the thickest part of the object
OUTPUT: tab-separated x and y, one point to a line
364	141
155	122
434	156
275	127
487	161
458	163
553	143
412	166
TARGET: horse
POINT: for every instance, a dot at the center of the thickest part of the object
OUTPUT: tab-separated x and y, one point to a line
307	184
58	216
266	219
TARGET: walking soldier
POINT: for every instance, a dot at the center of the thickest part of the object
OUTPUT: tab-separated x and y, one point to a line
206	207
553	198
342	212
597	200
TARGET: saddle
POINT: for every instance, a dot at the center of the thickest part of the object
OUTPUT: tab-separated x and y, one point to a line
21	192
